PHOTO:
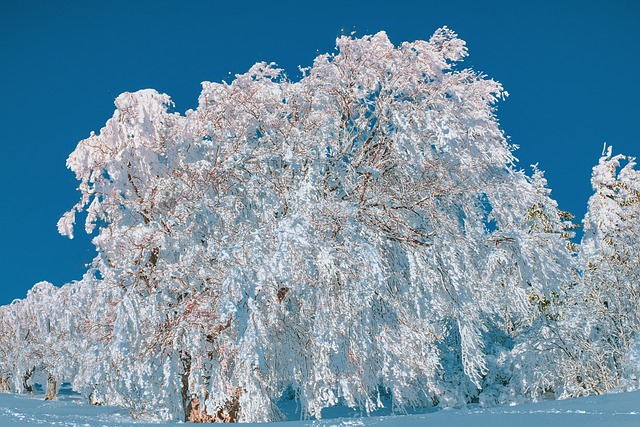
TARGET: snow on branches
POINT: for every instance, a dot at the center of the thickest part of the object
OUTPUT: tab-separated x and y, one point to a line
360	236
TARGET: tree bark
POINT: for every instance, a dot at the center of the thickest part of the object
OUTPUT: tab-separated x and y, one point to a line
195	411
52	388
198	413
231	410
186	371
25	380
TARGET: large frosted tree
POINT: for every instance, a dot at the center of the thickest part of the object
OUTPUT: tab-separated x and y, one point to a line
359	235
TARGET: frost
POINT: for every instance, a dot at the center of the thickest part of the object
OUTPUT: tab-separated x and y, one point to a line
66	223
361	237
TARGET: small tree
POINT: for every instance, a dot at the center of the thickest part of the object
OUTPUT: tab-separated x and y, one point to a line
610	256
590	328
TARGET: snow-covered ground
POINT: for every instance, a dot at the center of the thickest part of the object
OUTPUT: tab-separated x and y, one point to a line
621	409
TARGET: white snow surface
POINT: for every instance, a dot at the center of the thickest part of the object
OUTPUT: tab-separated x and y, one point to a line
621	409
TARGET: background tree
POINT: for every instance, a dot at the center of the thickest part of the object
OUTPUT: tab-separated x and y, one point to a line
610	258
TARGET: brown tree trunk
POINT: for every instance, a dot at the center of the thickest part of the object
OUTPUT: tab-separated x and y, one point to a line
52	388
231	410
198	413
195	411
4	385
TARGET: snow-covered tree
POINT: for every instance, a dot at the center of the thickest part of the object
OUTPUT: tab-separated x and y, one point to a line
586	343
41	340
10	343
610	255
359	234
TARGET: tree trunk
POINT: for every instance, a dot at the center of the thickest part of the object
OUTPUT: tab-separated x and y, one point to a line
52	388
231	410
4	385
186	371
94	398
194	410
198	413
25	381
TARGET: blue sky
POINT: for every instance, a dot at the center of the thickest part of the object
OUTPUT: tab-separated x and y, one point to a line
571	68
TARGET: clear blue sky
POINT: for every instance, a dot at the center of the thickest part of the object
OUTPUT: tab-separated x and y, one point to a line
571	67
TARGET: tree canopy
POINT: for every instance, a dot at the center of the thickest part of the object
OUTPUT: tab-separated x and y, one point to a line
360	237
